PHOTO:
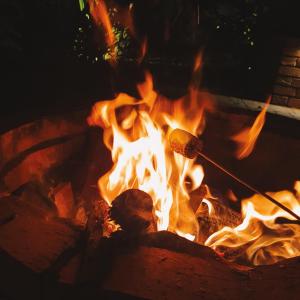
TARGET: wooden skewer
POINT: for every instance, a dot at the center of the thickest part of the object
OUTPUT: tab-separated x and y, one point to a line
248	186
190	146
283	220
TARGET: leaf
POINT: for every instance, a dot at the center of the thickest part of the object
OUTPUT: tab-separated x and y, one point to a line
81	4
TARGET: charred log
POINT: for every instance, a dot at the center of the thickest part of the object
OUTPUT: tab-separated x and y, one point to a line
34	238
213	218
133	211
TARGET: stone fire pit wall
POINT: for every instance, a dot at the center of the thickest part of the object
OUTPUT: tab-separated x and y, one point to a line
286	90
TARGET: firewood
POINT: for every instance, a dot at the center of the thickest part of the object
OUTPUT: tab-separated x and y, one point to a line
153	273
34	243
221	215
80	217
85	185
34	164
214	220
133	211
162	265
63	198
35	195
170	241
68	274
198	195
159	273
32	238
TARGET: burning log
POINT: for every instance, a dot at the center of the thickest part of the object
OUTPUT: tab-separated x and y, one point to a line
213	215
132	210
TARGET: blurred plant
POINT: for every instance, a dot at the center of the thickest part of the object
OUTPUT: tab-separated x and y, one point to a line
121	44
90	47
82	4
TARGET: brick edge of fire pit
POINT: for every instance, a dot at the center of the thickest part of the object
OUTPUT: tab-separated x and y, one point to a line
286	91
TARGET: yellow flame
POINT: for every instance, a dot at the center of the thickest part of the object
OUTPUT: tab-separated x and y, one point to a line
136	132
141	155
247	138
261	239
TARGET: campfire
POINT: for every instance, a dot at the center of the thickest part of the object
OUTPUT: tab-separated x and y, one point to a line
137	132
113	201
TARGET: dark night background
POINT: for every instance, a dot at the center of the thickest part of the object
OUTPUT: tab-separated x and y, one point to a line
42	74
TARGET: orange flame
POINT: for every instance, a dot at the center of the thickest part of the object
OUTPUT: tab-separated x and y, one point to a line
100	16
263	241
197	62
247	138
136	132
144	46
141	155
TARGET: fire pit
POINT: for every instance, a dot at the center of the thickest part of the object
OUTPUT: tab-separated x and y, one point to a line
54	221
144	197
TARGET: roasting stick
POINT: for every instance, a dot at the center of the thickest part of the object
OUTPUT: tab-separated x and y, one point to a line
190	146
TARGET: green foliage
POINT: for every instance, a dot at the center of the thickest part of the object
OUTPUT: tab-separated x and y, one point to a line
121	44
84	43
81	5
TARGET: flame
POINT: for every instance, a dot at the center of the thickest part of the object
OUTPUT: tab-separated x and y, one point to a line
197	62
136	132
119	16
143	51
246	139
258	239
100	16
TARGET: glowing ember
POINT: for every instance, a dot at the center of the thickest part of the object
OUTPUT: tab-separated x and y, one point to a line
136	132
246	139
